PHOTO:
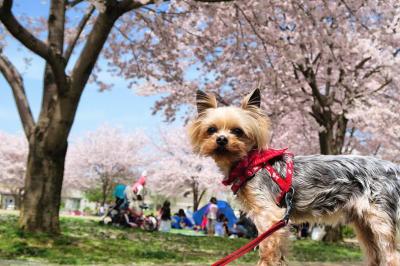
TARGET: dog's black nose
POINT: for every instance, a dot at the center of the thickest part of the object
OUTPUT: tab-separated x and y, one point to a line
222	140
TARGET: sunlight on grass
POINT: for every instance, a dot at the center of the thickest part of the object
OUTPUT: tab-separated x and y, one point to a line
87	242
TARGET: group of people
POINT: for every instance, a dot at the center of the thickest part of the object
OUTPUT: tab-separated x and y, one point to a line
214	222
180	220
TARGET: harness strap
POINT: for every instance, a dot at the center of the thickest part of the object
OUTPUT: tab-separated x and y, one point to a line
254	162
284	184
244	171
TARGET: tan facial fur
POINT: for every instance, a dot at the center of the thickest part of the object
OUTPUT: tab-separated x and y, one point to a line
245	128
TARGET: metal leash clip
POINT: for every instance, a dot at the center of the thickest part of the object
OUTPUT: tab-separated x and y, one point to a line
289	204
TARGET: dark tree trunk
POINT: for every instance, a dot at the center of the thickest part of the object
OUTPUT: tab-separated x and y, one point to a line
333	234
331	142
48	139
197	195
103	199
43	182
104	190
332	139
334	125
18	198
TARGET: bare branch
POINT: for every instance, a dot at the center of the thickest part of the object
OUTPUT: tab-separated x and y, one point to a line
131	42
91	50
20	33
377	149
354	15
309	75
55	59
263	41
128	5
15	81
74	3
381	87
372	71
81	26
98	36
220	99
362	62
316	58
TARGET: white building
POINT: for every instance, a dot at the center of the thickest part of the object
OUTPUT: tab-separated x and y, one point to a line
74	200
7	200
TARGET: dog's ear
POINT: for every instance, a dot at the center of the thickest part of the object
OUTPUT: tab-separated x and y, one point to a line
252	99
205	101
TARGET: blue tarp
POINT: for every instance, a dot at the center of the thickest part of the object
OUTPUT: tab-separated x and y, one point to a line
223	207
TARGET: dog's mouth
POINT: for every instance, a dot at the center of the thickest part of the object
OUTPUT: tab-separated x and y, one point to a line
221	150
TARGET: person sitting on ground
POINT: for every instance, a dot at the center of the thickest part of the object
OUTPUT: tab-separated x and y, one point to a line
244	227
129	218
165	216
181	221
221	226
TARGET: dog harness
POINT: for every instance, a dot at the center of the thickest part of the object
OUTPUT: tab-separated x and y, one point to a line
243	172
257	160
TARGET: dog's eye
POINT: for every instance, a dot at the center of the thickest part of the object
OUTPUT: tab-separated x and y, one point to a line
211	130
237	132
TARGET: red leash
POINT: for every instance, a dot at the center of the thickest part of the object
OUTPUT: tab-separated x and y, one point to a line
251	245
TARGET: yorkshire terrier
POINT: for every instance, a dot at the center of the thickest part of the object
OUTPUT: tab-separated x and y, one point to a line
361	191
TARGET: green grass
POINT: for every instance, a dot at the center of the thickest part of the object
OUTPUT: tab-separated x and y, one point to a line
87	242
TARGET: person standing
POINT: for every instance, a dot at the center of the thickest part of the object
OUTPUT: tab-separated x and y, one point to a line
212	213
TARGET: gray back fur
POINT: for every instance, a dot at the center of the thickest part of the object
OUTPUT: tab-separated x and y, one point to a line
324	184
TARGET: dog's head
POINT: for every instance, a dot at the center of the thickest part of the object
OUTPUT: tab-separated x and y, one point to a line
228	133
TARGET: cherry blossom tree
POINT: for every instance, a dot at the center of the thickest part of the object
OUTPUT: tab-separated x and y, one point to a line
176	171
324	61
103	158
13	155
329	70
65	77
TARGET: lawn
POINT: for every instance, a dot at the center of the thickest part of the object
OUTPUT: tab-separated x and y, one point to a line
86	242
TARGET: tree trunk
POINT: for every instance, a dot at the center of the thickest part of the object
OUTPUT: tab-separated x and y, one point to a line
61	94
43	183
333	234
196	196
103	199
195	192
331	143
104	190
18	198
334	125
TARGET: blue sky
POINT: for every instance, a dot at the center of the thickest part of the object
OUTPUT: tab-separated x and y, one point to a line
117	107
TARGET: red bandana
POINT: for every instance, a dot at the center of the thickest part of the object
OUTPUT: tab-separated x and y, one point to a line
257	160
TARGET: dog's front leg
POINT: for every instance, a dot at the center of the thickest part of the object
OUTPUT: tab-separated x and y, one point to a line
274	248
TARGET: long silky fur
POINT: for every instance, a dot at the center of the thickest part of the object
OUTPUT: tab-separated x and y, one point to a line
344	189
